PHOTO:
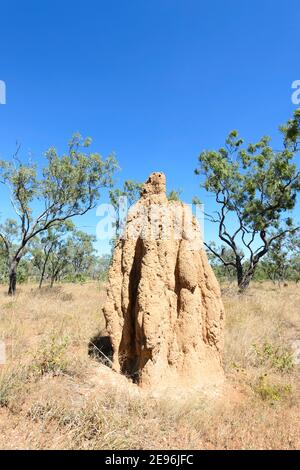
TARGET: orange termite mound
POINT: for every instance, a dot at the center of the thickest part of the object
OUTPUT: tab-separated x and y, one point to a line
164	312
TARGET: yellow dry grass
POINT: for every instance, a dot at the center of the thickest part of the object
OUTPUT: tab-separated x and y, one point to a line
53	395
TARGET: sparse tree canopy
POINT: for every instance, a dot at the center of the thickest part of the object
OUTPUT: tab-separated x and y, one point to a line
67	186
81	252
254	187
277	261
45	244
174	195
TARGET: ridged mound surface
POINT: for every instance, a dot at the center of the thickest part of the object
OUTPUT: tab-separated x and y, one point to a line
163	311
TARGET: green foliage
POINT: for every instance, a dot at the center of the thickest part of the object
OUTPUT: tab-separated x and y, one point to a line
291	131
282	262
67	186
102	267
12	383
67	254
174	195
23	271
277	262
8	384
274	357
51	357
71	183
81	253
224	272
131	190
271	392
49	254
254	186
256	182
62	253
3	264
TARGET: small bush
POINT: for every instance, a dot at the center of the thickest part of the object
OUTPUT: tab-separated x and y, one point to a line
8	306
274	357
11	384
51	358
271	392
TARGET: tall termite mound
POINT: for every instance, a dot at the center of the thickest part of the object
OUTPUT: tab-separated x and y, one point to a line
164	312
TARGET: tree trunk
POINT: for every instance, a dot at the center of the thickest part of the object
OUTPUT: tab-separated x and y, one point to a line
41	280
239	272
43	272
245	282
12	276
244	279
54	279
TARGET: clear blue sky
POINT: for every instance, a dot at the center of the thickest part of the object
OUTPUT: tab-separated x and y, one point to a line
155	81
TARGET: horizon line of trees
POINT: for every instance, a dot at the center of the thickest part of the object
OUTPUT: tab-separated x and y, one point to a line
255	189
62	254
281	265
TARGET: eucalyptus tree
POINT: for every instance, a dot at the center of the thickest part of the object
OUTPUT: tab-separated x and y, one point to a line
102	266
68	185
254	187
81	253
59	261
45	244
174	195
294	249
3	262
277	262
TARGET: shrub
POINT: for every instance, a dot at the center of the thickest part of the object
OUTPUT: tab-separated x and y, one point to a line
275	357
269	391
51	358
11	384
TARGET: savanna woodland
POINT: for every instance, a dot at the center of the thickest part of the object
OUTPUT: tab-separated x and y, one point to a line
112	340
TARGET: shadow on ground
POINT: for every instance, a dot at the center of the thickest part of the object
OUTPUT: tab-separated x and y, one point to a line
100	348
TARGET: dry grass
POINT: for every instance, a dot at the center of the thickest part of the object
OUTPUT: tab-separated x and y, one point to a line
53	395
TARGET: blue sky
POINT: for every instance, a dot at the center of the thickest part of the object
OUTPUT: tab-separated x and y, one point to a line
155	81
